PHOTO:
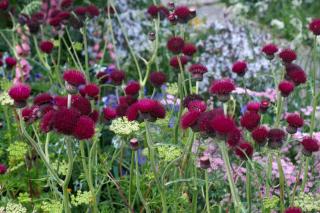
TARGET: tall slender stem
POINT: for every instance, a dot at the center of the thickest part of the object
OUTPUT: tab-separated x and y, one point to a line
66	202
207	191
138	185
131	181
248	185
282	182
154	168
234	192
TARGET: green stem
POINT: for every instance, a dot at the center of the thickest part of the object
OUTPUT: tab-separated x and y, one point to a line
154	168
248	185
269	174
305	174
234	192
296	182
66	202
131	181
207	192
138	185
88	179
195	190
38	150
282	183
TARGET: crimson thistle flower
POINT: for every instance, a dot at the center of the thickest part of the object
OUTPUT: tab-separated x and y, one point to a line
197	71
240	68
293	210
269	50
250	120
157	79
222	89
20	93
314	26
286	87
175	44
275	138
287	56
260	135
73	79
46	46
294	122
310	145
84	128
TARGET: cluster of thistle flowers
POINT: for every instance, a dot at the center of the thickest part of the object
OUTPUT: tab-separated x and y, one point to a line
215	123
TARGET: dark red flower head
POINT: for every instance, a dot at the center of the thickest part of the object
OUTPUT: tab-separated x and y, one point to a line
189	119
84	128
297	76
60	101
174	61
20	93
46	46
244	151
103	77
292	66
4	4
158	111
65	120
234	137
92	10
197	71
3	168
153	11
157	79
286	87
146	109
197	105
260	135
183	14
205	119
46	123
310	145
275	137
42	99
288	55
253	106
10	62
270	50
92	90
191	97
239	67
295	120
222	88
55	21
222	125
314	26
66	4
293	210
80	10
109	113
28	114
250	120
117	76
81	104
175	44
132	88
74	77
189	49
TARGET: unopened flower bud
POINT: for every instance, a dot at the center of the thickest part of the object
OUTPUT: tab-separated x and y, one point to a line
204	162
152	36
134	143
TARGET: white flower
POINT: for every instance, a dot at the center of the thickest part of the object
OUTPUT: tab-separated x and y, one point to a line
277	24
296	3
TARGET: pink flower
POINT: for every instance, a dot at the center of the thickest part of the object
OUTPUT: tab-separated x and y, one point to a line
22	71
